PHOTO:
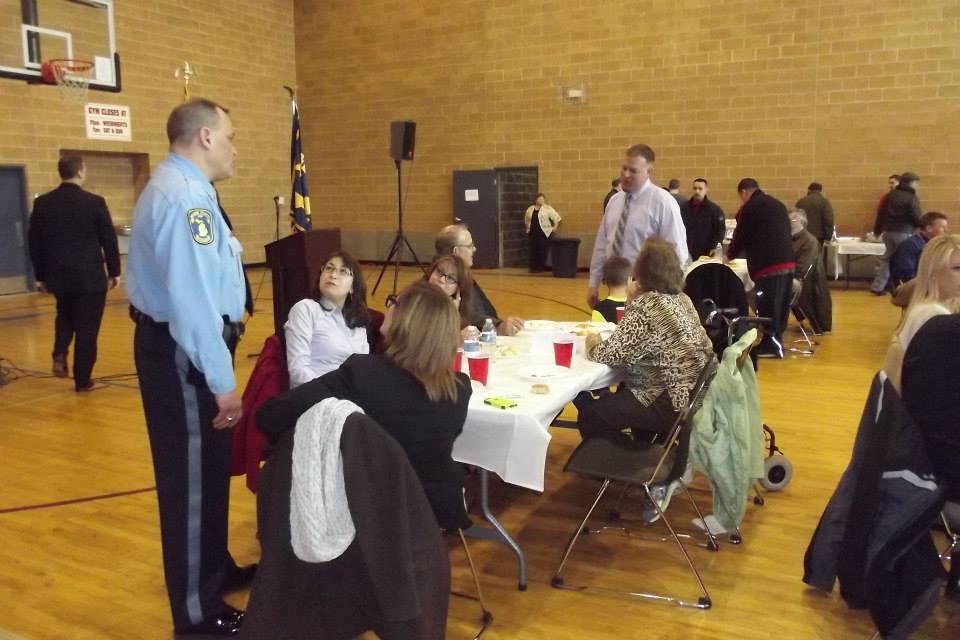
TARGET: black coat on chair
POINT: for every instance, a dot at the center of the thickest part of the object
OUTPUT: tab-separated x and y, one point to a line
394	577
398	402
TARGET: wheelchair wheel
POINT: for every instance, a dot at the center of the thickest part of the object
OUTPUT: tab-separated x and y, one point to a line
777	473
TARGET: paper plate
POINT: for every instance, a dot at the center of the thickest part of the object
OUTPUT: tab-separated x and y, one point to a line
540	372
540	325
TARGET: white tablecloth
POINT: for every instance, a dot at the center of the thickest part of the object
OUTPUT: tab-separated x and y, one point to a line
852	247
513	442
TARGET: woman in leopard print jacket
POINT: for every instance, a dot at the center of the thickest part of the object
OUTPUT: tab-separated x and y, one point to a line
659	346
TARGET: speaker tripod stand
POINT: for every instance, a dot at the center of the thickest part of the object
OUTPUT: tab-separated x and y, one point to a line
399	242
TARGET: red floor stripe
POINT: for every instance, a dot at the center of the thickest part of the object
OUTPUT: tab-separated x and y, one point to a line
61	503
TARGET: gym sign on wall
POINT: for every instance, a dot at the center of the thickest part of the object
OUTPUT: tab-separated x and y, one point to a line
108	122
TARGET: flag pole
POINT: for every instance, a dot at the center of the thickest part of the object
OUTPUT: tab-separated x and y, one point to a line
300	192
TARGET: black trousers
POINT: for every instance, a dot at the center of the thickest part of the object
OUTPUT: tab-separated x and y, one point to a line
539	246
773	301
78	315
621	417
191	464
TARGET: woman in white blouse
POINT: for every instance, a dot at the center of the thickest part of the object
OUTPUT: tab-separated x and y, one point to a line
323	331
936	292
541	221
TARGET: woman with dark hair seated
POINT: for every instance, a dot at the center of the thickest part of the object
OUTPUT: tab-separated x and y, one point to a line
323	331
410	390
452	275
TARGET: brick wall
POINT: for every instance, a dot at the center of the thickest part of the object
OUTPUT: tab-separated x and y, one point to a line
244	50
786	91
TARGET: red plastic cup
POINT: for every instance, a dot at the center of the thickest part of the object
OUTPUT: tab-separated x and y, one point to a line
563	352
620	311
458	361
479	365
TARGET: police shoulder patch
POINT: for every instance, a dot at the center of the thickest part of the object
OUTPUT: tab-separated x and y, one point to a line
201	225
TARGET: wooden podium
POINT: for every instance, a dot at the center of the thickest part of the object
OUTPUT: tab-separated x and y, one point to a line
296	262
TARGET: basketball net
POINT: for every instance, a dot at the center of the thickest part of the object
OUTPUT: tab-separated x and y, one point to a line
71	76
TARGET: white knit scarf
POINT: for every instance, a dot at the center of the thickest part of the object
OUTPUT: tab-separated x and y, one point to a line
321	528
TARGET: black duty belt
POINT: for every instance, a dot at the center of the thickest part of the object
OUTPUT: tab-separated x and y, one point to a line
232	331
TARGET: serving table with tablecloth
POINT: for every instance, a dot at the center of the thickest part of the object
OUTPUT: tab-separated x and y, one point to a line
850	249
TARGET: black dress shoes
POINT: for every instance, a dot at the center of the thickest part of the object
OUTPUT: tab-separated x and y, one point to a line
240	578
224	625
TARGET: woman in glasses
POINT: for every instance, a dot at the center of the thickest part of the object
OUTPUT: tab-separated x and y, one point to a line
451	274
323	331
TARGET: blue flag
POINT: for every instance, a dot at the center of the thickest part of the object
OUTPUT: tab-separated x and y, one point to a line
300	200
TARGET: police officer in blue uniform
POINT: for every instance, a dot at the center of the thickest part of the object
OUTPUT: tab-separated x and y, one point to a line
186	290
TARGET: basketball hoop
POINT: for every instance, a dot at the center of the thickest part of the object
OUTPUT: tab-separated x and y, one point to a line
71	75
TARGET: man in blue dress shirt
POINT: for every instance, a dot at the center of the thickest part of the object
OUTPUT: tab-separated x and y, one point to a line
186	290
640	210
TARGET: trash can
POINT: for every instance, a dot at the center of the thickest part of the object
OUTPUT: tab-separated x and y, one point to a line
123	238
563	257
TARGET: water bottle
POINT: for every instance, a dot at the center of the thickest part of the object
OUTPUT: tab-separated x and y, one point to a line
718	251
834	238
488	337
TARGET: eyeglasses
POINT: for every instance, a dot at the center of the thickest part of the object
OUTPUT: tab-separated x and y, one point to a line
331	269
391	300
447	278
470	246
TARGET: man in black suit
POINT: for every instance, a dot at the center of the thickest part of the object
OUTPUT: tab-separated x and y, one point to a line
71	235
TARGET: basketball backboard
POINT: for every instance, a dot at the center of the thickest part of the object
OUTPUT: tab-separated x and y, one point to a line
32	31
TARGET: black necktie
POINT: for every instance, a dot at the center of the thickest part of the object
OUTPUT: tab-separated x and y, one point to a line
248	301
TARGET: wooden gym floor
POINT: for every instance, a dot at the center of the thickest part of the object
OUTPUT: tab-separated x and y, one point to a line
80	544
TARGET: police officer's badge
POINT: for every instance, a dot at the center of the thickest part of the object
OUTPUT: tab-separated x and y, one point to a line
201	225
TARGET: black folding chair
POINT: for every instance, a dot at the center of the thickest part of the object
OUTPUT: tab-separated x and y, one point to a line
802	316
644	466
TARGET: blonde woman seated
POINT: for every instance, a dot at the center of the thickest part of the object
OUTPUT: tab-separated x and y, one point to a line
659	345
411	391
323	331
936	291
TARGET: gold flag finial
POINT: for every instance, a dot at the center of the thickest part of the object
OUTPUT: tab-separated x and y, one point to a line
186	72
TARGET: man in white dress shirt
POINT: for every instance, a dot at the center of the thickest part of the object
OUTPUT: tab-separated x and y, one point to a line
641	210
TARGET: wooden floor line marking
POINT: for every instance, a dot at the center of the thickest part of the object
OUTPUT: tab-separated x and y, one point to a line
62	503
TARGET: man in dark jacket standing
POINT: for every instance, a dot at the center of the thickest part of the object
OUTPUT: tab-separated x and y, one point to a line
819	212
763	234
704	220
897	218
614	189
71	235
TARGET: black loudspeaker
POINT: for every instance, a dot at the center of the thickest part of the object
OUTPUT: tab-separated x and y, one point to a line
403	133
